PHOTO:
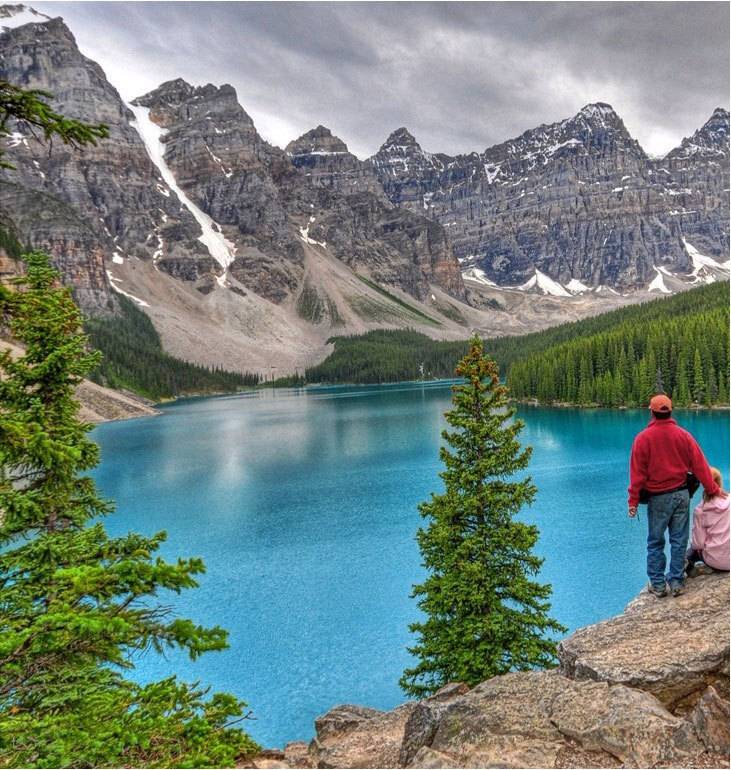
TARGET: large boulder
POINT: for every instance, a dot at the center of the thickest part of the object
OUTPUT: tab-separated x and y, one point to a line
673	648
353	736
710	718
532	719
423	722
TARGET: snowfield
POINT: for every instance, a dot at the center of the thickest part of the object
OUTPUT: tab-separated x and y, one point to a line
219	247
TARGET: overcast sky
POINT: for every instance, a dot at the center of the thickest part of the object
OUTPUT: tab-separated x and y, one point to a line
460	76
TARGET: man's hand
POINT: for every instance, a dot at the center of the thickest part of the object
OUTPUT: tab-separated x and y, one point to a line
632	511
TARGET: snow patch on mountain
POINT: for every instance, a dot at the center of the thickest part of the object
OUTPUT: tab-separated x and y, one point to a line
657	283
475	274
13	16
704	268
305	235
114	281
545	285
219	247
576	287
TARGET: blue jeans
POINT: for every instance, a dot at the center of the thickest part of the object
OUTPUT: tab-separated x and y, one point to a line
669	511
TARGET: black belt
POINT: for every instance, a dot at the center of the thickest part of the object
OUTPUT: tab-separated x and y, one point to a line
645	495
668	491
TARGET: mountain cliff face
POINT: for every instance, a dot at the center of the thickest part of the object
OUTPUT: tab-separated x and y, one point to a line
270	202
186	182
696	180
238	249
353	216
577	201
221	163
85	206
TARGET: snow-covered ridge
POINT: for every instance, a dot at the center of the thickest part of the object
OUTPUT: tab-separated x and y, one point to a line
13	16
219	247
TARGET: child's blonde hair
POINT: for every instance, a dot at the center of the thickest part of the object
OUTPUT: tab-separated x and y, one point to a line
718	478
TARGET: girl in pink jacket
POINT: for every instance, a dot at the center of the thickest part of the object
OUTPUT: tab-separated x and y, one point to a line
710	538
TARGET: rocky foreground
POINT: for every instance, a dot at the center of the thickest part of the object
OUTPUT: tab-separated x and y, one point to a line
648	688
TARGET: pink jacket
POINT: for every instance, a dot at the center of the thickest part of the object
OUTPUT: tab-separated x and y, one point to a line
711	532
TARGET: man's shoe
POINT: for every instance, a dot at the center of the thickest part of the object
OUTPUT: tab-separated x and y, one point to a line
691	570
658	591
676	589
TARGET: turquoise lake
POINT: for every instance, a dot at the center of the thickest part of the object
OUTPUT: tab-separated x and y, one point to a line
303	505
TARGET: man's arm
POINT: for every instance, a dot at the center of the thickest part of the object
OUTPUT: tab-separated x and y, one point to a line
699	466
637	472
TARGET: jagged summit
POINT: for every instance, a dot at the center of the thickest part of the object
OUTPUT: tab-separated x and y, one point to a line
710	140
174	92
600	110
402	134
177	100
170	92
400	138
12	16
717	124
317	141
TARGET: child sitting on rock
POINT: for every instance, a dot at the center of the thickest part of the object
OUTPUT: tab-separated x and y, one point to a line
710	538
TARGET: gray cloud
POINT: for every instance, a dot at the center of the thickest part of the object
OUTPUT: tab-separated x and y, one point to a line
460	76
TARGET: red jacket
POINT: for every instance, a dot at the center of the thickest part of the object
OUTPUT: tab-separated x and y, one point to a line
662	454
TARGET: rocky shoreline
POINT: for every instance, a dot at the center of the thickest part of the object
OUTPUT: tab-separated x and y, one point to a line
647	688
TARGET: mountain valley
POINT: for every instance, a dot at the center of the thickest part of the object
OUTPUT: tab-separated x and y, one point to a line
249	257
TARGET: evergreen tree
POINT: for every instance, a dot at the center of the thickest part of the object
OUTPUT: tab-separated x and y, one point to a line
659	381
699	381
722	388
485	615
75	604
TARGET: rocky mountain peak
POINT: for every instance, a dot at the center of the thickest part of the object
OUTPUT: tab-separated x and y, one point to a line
171	92
711	140
177	101
598	111
13	16
597	124
400	139
401	156
716	128
317	141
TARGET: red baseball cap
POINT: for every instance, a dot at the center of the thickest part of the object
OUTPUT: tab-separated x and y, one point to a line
661	404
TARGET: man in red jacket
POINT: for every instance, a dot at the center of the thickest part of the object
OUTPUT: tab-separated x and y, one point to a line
662	455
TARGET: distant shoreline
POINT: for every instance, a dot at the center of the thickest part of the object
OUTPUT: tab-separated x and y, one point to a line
322	385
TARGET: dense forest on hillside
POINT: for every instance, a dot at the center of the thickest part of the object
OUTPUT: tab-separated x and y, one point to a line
133	356
390	356
135	360
683	352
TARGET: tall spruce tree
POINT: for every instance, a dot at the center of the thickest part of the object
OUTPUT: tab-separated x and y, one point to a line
485	614
76	606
